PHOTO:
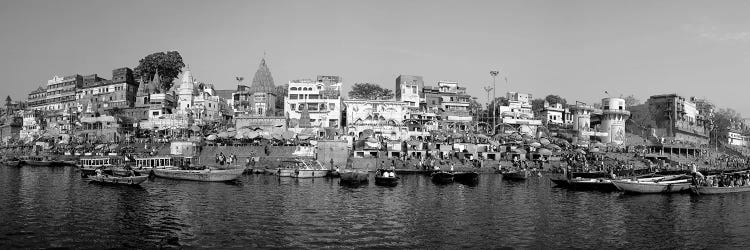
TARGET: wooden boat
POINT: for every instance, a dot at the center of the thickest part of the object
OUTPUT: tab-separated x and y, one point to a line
598	184
117	180
199	175
664	184
386	178
37	161
718	190
309	169
285	172
354	176
12	163
466	177
442	177
516	175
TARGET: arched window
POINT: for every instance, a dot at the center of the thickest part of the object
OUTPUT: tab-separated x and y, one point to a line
293	88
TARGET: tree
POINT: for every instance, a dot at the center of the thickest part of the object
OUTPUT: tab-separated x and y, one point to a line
723	121
631	101
553	99
536	106
169	65
370	91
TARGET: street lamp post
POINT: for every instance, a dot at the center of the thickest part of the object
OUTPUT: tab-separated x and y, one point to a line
494	74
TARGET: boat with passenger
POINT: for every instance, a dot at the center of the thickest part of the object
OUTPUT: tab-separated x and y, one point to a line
184	168
722	183
386	178
652	185
102	178
111	165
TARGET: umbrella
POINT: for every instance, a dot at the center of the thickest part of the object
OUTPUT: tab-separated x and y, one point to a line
231	129
303	137
535	144
580	151
239	135
288	135
252	134
516	137
544	141
231	134
223	135
594	150
519	151
278	137
598	144
544	151
195	128
211	137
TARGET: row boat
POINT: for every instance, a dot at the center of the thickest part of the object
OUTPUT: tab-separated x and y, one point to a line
353	176
37	161
442	177
578	183
664	184
516	175
116	180
200	175
386	178
466	177
718	190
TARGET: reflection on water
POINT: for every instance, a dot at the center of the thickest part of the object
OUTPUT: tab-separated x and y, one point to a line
53	207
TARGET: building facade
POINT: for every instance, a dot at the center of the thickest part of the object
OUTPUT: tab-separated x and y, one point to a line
383	117
320	99
409	89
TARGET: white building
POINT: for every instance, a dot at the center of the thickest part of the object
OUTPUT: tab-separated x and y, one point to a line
553	114
321	99
384	117
33	125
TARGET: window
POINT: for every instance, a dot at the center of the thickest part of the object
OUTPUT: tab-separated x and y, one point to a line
293	106
155	113
293	96
332	106
293	88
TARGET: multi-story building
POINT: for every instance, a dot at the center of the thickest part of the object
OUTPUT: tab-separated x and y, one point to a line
320	99
102	94
33	124
61	92
553	113
384	117
409	89
38	99
675	117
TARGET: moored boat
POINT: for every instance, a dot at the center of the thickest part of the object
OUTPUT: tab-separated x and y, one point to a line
12	163
442	177
117	180
516	175
386	178
37	161
309	169
718	190
466	177
353	176
199	175
664	184
597	184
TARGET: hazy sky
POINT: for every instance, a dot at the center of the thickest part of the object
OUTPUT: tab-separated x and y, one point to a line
577	49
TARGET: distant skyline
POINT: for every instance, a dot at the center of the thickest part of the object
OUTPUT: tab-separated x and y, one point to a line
575	49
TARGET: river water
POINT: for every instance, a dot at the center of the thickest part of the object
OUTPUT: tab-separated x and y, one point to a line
55	208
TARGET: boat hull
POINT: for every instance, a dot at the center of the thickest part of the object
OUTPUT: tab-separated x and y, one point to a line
354	177
516	176
386	181
629	186
603	185
442	178
466	177
112	180
38	163
199	175
718	190
285	172
300	173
